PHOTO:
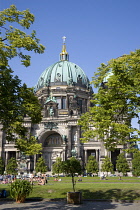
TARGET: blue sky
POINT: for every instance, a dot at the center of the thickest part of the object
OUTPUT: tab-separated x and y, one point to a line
96	31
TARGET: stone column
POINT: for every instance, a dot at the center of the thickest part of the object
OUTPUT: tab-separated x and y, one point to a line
34	162
97	155
109	154
78	142
100	160
6	157
102	150
63	154
106	152
49	157
85	156
17	155
69	141
121	151
28	164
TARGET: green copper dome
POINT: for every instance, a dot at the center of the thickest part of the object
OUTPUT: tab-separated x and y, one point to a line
63	73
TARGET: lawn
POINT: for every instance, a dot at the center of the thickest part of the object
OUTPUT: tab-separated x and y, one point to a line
91	187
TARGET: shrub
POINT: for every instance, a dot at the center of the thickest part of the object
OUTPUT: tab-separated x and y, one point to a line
20	189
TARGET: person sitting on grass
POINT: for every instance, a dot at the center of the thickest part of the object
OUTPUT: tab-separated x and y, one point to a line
41	182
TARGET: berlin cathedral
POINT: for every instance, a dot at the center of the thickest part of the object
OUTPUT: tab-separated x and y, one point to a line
64	92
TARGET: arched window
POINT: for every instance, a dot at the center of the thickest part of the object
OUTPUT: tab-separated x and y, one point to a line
53	140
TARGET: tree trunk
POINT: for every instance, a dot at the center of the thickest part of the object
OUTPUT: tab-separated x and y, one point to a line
73	183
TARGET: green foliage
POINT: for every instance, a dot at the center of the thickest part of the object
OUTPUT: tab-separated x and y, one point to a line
40	166
71	167
115	104
92	165
20	189
136	164
1	166
12	166
13	40
57	166
122	165
29	145
18	101
107	166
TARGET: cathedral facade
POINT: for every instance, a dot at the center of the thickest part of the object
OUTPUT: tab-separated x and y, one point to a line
64	92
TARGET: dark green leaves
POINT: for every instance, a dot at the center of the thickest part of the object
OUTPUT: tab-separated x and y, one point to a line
16	100
13	40
116	103
41	166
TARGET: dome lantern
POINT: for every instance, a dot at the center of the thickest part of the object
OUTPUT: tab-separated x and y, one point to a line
64	56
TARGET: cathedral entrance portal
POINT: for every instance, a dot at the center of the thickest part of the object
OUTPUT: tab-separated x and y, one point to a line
52	148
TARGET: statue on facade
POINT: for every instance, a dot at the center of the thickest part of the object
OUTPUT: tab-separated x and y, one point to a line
64	137
70	81
51	112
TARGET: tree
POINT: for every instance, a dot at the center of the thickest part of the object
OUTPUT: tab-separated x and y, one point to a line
16	100
92	165
13	41
41	166
1	166
71	167
12	166
107	166
122	164
57	166
116	103
136	164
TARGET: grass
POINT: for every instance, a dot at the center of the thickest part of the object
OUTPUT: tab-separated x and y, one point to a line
91	187
97	179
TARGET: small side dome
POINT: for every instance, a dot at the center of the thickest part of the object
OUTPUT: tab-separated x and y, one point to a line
108	75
